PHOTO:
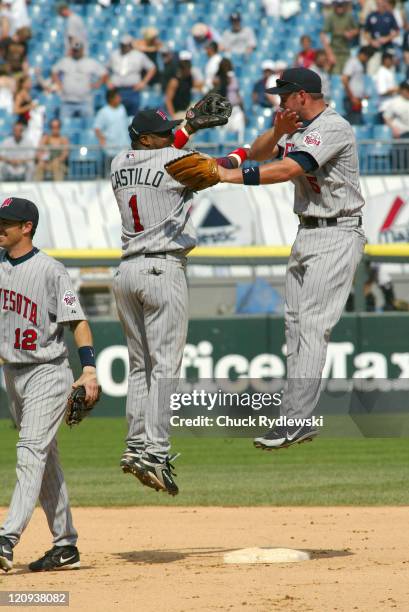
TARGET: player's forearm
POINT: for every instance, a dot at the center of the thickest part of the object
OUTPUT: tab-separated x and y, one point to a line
276	172
265	146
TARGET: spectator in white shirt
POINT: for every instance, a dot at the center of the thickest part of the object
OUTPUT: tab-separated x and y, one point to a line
76	77
396	112
19	14
385	80
353	80
75	29
126	65
238	40
212	65
17	155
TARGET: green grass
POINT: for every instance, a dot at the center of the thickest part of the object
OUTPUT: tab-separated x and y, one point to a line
228	472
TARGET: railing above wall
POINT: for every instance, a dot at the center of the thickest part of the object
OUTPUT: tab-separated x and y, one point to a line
90	162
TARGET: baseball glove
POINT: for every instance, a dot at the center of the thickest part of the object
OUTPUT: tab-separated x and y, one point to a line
194	170
77	409
210	111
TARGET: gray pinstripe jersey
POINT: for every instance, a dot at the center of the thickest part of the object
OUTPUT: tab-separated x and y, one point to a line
333	189
154	207
36	298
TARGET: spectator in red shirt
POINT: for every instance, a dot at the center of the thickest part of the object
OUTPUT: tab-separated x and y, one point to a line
306	56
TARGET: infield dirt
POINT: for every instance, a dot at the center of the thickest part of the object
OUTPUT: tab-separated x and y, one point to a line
171	559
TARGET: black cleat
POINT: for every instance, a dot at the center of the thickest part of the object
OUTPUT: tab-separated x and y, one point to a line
58	558
6	554
131	464
160	473
283	437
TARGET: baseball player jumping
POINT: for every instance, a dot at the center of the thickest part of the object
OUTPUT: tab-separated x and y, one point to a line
150	286
319	155
36	301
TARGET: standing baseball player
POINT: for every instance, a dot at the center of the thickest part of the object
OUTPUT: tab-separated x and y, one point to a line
319	155
150	285
36	301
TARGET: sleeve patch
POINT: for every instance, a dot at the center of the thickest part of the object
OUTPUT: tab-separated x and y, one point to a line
69	298
313	139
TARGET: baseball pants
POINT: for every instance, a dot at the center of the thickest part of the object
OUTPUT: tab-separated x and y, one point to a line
319	279
38	395
152	301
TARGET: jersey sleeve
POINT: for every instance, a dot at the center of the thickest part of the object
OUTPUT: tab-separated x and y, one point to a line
323	142
64	303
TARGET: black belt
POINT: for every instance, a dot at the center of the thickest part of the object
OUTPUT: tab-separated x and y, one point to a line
323	222
158	255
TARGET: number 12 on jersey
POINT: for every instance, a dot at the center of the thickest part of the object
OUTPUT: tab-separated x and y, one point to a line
133	205
26	341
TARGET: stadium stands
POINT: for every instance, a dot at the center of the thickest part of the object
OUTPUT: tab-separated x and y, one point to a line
276	40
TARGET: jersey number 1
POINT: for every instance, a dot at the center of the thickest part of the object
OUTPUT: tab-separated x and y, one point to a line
133	205
25	341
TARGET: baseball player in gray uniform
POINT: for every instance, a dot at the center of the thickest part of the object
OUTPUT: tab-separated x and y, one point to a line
150	287
319	155
36	301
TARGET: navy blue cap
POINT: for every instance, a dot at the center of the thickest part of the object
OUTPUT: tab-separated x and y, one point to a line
297	79
151	121
19	209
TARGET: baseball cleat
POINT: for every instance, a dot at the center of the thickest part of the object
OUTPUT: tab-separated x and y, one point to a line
58	558
131	464
283	437
128	458
160	473
6	554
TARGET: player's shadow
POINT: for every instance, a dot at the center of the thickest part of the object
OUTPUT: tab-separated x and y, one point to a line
326	553
169	556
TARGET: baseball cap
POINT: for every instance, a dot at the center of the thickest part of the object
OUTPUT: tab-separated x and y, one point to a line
151	121
199	29
235	16
126	39
297	79
19	209
268	65
185	56
280	65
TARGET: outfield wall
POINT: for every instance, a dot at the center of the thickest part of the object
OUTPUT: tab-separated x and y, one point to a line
84	214
362	346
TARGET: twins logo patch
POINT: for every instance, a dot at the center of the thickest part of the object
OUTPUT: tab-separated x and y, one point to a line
6	202
69	298
313	139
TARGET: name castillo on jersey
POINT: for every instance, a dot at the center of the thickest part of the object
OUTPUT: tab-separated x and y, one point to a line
19	303
128	177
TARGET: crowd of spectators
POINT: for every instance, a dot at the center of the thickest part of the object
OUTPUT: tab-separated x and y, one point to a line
352	47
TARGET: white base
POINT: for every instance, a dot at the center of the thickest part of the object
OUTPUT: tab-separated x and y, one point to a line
266	555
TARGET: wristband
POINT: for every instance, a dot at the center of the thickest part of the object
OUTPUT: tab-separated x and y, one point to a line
240	155
251	176
87	356
181	138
